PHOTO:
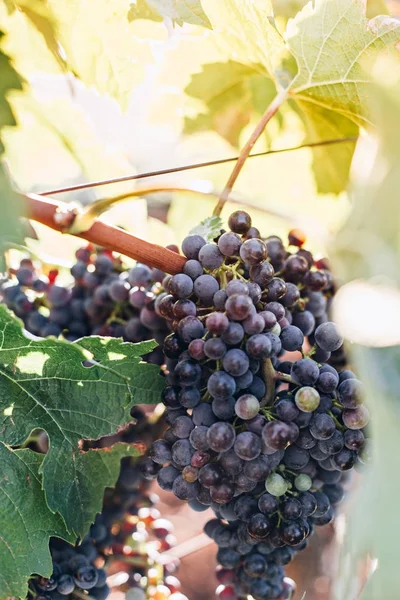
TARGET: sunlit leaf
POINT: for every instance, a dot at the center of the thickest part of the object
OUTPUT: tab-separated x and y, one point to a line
331	164
102	47
231	92
40	15
9	80
9	202
331	40
180	11
141	9
248	28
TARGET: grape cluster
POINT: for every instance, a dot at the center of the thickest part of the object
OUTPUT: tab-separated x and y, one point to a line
261	436
104	300
76	570
245	569
128	536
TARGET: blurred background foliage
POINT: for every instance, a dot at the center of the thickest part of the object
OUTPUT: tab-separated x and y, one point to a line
121	94
108	88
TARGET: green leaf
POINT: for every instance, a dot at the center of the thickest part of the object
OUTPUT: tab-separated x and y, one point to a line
180	11
43	384
231	92
248	28
103	48
25	521
11	228
41	16
141	9
331	41
144	383
331	164
10	203
76	483
209	229
9	80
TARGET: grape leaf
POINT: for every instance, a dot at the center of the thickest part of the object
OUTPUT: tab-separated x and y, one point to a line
209	229
103	48
331	164
144	384
180	11
76	486
43	384
9	202
248	28
331	40
25	521
9	80
231	93
141	9
40	15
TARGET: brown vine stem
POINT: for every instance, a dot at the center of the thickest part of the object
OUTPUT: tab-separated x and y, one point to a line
45	211
244	155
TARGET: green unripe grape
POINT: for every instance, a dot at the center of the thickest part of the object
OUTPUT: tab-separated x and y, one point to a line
276	329
276	485
303	482
307	399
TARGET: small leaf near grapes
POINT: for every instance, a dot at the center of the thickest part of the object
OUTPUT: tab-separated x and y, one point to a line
209	229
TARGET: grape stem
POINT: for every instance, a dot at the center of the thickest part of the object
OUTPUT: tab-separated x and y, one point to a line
248	147
270	377
45	211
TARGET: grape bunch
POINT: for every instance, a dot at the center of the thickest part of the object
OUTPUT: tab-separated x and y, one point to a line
246	569
77	570
262	427
104	300
127	537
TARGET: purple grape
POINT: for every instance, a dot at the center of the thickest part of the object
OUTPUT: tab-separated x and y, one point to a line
292	338
229	244
192	245
247	407
217	323
181	285
236	287
328	337
235	362
253	252
247	445
210	257
239	221
221	436
262	273
205	287
214	348
193	269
